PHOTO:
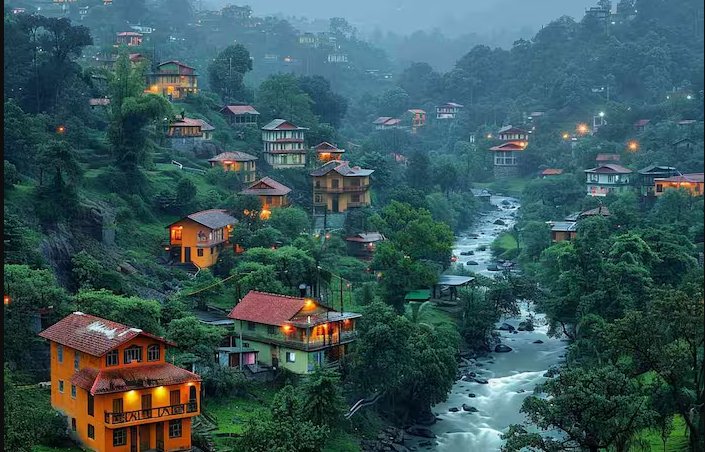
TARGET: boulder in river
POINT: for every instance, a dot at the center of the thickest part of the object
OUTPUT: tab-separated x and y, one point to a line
472	395
467	253
469	408
423	432
481	381
506	203
526	325
453	409
506	327
499	222
482	248
426	419
471	263
552	372
492	268
538	341
473	236
501	348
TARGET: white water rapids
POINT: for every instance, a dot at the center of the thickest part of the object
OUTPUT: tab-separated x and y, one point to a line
511	376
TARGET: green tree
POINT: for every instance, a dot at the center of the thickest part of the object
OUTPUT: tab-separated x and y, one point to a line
290	221
330	107
132	311
281	97
191	335
322	398
227	71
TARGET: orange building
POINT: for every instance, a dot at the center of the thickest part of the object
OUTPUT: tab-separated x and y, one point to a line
325	152
418	118
199	237
117	389
694	183
271	194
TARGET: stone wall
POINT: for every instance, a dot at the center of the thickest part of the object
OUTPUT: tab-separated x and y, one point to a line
504	172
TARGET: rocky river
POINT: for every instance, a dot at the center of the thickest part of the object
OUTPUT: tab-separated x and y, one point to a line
476	414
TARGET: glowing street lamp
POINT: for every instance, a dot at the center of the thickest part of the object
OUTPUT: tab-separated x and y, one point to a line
489	136
60	129
601	114
633	146
565	135
582	129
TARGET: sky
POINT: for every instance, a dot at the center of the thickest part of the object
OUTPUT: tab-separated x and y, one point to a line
453	17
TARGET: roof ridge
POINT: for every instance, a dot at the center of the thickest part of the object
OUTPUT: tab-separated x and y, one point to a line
275	294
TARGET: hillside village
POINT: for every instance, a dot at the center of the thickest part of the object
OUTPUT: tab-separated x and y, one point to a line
223	233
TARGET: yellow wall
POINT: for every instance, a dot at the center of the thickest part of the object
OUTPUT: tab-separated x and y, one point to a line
189	239
342	192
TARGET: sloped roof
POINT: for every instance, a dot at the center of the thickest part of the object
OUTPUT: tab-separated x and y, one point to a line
267	308
178	63
416	111
366	237
451	104
327	147
509	146
190	122
552	171
129	33
656	169
212	218
600	210
281	124
108	381
690	177
642	122
512	129
564	226
235	156
266	187
609	168
342	168
240	110
683	140
381	120
93	335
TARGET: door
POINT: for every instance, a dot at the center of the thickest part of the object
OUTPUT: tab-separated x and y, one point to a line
192	399
133	439
187	254
146	406
145	437
160	436
334	208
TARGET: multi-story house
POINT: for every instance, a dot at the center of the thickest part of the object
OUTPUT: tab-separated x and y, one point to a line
240	162
694	183
295	333
448	110
271	194
240	115
325	152
506	156
608	178
174	80
337	187
284	144
117	389
199	238
363	245
418	118
646	178
129	38
187	133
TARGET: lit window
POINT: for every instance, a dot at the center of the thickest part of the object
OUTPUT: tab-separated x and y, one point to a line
120	437
290	357
133	353
175	428
153	352
199	252
60	353
112	358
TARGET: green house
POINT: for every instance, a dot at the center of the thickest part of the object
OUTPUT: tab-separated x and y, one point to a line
291	332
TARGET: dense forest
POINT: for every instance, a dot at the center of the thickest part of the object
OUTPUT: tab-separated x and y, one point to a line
90	188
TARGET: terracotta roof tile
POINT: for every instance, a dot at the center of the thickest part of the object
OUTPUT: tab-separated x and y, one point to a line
239	109
552	171
128	378
267	308
92	335
235	156
266	187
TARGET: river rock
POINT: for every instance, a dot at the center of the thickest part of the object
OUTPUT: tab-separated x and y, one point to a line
399	448
420	431
526	325
469	408
501	348
515	332
481	381
453	409
482	248
471	263
426	443
499	222
538	341
492	268
506	203
506	327
521	391
466	253
552	372
472	395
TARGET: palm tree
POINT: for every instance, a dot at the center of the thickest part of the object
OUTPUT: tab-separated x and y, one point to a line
419	313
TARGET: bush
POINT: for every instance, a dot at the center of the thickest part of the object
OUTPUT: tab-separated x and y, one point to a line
10	175
224	382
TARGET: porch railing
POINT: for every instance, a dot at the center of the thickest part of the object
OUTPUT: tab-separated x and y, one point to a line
150	413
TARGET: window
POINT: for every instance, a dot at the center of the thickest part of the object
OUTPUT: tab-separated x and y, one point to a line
251	326
91	404
610	178
318	199
60	353
354	198
176	233
271	329
290	357
73	424
73	391
212	248
91	431
61	386
147	405
199	252
112	358
175	397
335	183
175	428
120	437
133	353
153	352
76	360
117	405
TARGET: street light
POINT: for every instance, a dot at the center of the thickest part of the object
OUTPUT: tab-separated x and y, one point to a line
602	114
582	129
633	145
565	135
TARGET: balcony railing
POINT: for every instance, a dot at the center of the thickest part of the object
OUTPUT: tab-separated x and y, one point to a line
348	189
300	344
150	413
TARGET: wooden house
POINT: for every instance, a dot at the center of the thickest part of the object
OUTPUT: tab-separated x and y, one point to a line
684	144
417	117
363	245
506	155
386	122
449	110
240	115
271	193
187	133
173	79
294	333
640	125
645	181
692	182
338	187
608	178
240	162
325	152
116	387
284	144
129	38
199	238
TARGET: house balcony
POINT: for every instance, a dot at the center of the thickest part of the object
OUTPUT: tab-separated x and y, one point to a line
127	418
303	344
207	243
348	189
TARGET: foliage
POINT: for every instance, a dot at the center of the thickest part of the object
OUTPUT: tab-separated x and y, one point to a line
132	311
227	70
290	221
323	402
191	335
220	382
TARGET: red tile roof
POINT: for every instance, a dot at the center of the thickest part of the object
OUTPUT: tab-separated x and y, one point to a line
691	177
512	130
93	335
327	147
129	33
341	167
266	187
128	378
267	308
239	109
235	156
509	146
552	171
192	122
281	124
